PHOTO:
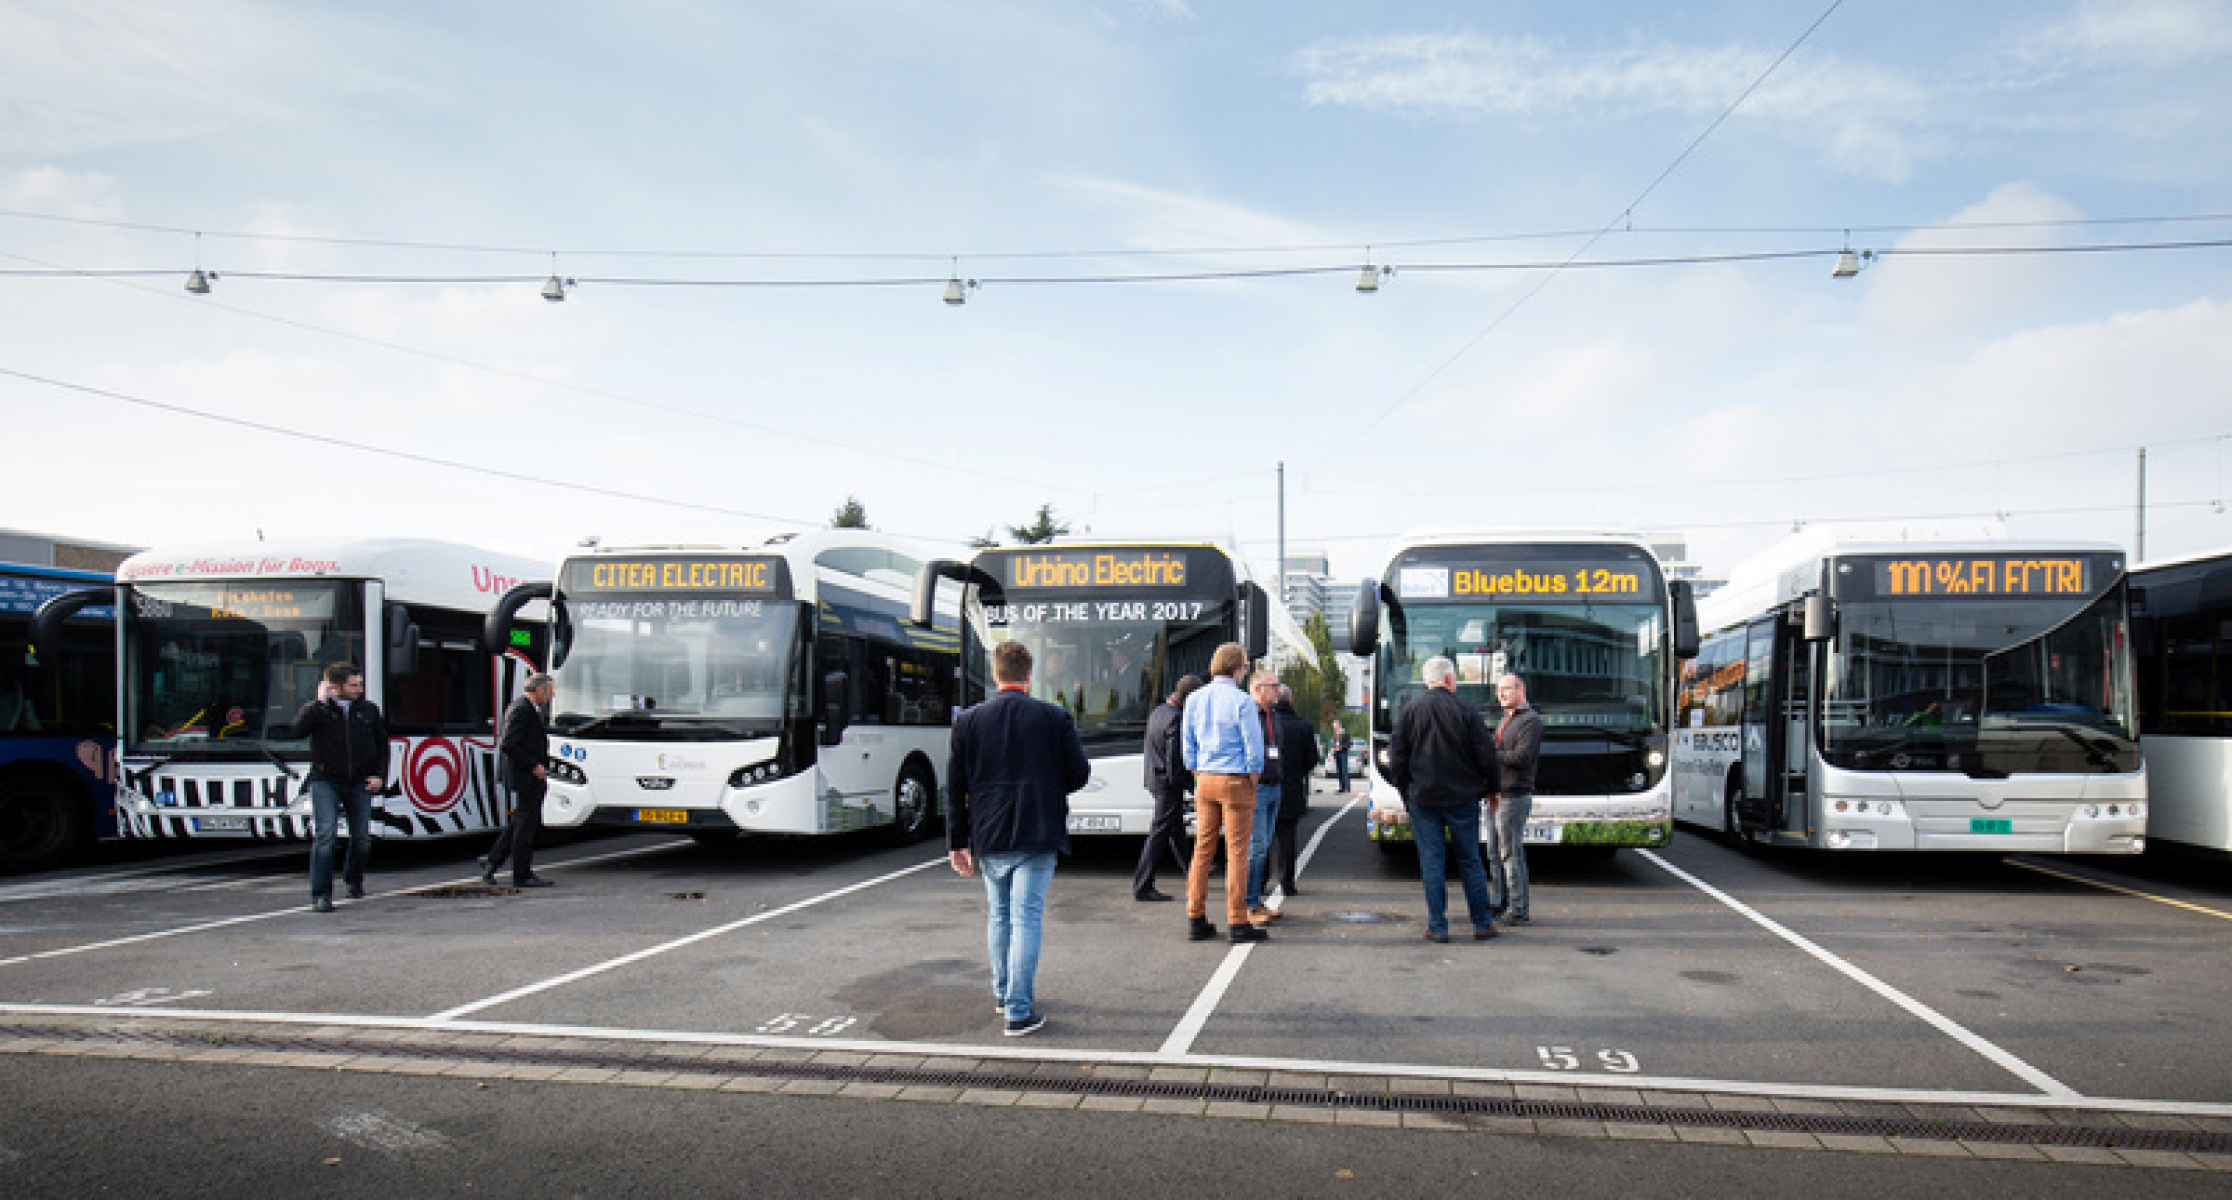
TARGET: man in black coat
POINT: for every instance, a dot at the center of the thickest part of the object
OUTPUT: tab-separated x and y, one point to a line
1298	751
522	758
1167	781
1443	762
1013	764
348	766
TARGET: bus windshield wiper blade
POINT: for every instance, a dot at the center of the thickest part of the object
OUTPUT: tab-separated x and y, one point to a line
278	762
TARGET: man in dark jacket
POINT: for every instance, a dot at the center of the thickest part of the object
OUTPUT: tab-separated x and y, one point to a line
1013	764
1442	761
1298	749
522	755
1518	746
1167	781
348	766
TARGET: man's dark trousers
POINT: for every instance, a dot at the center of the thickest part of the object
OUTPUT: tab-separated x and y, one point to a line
1167	834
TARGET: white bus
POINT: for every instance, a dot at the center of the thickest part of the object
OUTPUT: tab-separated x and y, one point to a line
774	689
1112	626
1592	625
2181	614
1957	695
220	646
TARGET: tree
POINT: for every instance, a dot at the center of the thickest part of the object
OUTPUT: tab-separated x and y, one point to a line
1319	688
1043	529
984	541
852	514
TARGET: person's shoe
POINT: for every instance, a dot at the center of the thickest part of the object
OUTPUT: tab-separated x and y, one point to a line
321	904
1431	936
1262	916
1201	931
1150	893
1482	935
488	879
1243	934
1290	889
533	881
1026	1025
356	891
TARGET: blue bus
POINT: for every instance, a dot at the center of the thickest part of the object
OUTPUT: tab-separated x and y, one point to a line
57	720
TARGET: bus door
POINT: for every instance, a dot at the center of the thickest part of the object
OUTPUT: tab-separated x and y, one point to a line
1761	804
1792	743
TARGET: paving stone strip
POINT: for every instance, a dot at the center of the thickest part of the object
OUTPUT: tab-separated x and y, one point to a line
1978	1131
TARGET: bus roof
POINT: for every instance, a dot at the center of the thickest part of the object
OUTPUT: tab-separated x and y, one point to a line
859	555
414	571
1766	579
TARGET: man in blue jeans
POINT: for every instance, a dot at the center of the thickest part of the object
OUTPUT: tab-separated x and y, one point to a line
1013	763
1270	785
348	766
1442	761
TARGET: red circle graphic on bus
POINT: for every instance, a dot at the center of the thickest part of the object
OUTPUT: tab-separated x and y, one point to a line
436	773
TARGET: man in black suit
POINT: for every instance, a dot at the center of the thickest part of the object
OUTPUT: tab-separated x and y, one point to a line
1167	781
1013	764
521	755
1298	754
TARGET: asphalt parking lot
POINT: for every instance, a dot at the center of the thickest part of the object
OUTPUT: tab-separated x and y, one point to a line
1696	975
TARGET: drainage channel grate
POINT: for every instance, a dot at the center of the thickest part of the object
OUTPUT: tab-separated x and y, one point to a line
2097	1136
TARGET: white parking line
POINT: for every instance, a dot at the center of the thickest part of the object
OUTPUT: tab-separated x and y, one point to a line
1625	1085
294	910
1197	1016
1942	1023
676	944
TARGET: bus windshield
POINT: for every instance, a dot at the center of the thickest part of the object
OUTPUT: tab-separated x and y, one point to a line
208	662
1592	670
1111	674
710	667
1985	686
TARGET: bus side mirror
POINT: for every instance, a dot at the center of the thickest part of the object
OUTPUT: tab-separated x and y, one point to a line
1821	618
1259	622
1684	596
836	711
402	642
1364	620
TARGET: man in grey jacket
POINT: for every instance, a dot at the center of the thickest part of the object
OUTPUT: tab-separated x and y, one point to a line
1518	747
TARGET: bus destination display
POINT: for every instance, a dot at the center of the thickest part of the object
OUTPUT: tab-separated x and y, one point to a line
1982	575
749	576
260	604
1543	581
1091	569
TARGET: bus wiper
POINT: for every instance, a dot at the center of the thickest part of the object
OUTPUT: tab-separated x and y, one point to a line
1626	737
278	762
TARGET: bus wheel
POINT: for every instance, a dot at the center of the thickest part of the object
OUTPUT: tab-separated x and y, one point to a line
911	802
41	825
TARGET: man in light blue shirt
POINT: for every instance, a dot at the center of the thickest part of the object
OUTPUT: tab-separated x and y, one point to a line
1223	745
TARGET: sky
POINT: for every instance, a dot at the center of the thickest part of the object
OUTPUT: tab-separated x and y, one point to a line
1603	236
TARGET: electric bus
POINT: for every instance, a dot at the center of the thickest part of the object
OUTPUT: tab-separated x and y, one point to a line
57	719
1591	624
1950	695
770	689
219	647
2181	615
1112	627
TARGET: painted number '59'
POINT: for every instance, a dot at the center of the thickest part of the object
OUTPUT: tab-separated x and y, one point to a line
1565	1058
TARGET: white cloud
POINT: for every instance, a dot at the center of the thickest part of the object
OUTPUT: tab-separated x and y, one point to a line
1862	119
1919	296
2104	33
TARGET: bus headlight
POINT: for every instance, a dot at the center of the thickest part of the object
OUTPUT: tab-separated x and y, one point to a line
1655	759
757	773
565	772
1637	782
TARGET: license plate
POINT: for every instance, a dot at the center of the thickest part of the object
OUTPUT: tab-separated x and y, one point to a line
1991	825
663	816
220	824
1096	824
